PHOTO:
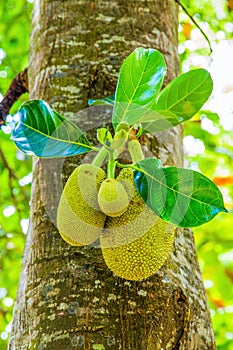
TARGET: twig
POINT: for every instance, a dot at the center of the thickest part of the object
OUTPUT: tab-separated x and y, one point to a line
7	166
18	87
196	24
12	176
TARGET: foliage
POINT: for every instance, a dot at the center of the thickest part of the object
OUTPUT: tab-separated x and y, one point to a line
45	133
14	41
209	136
183	197
15	167
15	176
214	240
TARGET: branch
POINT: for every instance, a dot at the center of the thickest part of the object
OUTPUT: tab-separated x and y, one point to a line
13	176
196	24
7	166
18	87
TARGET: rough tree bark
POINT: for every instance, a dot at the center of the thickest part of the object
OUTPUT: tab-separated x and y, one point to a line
67	297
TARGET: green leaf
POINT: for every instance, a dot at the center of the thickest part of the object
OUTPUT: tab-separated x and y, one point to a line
103	101
210	115
44	133
186	94
104	135
155	121
183	197
140	79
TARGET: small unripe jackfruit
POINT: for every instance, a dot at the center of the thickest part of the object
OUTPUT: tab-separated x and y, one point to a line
123	126
119	139
79	218
113	198
136	244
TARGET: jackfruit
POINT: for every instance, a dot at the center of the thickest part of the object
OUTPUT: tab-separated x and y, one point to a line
135	151
79	218
136	244
113	198
123	126
119	139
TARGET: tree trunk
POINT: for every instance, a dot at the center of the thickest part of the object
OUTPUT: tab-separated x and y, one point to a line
67	297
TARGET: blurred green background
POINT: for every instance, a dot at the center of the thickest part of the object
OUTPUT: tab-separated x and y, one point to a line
208	145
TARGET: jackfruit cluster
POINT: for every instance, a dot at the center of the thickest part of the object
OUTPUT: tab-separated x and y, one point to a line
79	218
136	244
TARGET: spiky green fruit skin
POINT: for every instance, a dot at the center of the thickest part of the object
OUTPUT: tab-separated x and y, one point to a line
113	198
136	244
79	218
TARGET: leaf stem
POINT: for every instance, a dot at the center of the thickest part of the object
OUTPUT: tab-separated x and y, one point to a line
122	166
111	166
100	157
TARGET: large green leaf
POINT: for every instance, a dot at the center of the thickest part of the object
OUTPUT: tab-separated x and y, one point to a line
43	132
183	197
140	79
186	94
155	121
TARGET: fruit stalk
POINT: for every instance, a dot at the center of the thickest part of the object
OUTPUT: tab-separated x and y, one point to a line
111	167
100	157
